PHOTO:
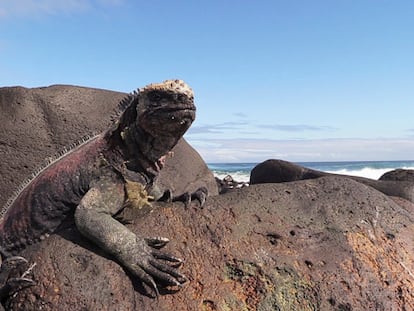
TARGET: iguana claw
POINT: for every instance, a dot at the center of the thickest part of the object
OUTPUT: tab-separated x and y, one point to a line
143	258
157	266
157	242
200	194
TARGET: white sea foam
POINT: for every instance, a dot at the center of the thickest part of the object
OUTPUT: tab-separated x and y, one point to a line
373	173
237	176
374	170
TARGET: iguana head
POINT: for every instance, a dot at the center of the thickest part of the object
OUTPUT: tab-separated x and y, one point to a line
166	109
156	119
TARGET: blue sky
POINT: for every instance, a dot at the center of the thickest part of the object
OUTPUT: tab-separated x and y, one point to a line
297	80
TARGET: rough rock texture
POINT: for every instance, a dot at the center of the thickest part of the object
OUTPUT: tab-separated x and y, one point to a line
37	123
276	171
322	244
186	171
399	175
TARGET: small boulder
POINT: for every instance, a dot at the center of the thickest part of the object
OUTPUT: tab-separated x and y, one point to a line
276	171
399	175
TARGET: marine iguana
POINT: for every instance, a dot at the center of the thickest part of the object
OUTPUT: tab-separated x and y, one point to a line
95	180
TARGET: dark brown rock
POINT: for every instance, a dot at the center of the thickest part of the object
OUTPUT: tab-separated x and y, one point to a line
186	171
323	244
38	123
276	171
399	175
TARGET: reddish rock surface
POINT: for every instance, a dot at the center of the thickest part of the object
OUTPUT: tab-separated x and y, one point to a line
323	244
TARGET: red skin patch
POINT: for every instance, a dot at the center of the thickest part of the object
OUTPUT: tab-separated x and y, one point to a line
53	194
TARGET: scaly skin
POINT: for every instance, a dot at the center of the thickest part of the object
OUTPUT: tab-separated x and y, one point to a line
97	179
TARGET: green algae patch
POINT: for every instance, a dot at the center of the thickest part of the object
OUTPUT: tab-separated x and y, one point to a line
250	285
253	289
291	292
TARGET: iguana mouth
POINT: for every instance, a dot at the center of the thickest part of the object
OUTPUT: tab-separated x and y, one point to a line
170	120
162	127
182	115
176	113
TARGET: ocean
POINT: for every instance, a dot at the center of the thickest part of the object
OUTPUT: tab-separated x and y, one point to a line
370	169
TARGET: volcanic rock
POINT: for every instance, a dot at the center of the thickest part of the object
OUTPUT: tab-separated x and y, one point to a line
322	244
399	175
275	171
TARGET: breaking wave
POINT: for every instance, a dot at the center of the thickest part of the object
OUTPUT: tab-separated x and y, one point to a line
369	169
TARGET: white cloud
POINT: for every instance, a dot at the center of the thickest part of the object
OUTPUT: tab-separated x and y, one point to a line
111	2
257	150
10	8
256	129
36	7
296	127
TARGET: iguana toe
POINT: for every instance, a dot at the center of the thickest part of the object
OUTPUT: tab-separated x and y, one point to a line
168	257
154	272
170	273
200	195
157	242
163	273
185	198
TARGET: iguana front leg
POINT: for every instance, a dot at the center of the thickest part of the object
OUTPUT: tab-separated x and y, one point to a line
94	219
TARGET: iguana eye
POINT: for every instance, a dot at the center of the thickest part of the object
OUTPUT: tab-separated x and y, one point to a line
181	97
154	96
